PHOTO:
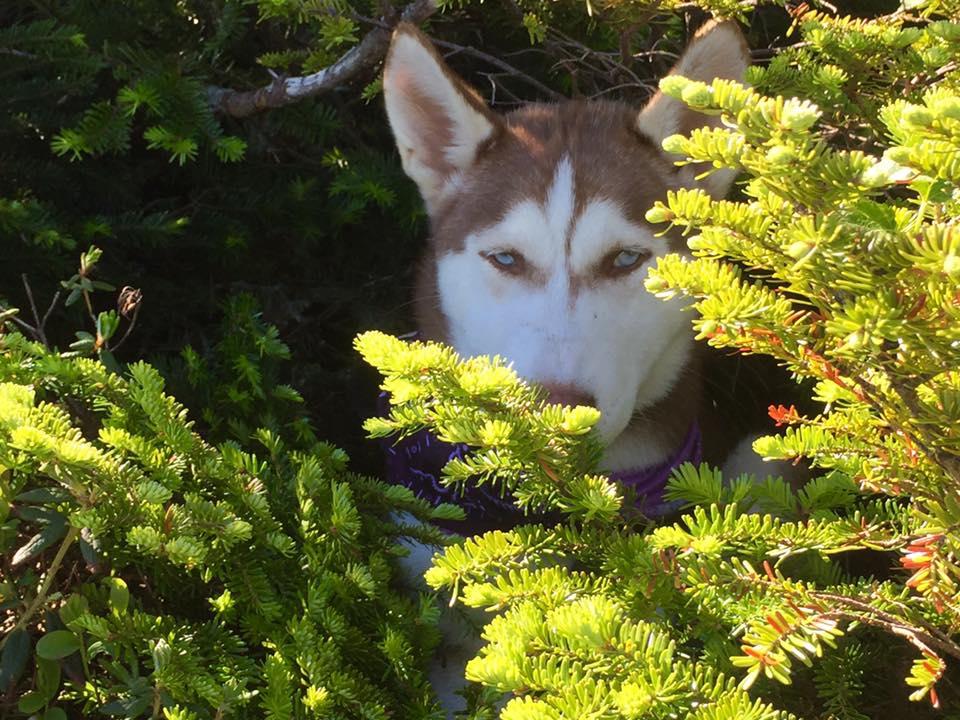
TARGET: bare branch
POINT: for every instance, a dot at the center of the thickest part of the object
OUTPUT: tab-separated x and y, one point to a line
17	53
38	332
872	615
606	71
38	328
497	62
285	91
53	304
26	326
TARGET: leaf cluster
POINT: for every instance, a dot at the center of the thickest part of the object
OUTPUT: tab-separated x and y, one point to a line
148	571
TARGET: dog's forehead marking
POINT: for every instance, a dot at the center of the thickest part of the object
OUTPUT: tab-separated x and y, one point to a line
561	201
540	228
562	231
605	157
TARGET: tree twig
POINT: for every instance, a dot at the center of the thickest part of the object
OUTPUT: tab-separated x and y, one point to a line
507	69
17	53
44	588
286	91
38	330
497	62
53	304
133	323
33	308
26	326
867	613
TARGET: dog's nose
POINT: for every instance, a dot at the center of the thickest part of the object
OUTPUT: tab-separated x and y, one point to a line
565	394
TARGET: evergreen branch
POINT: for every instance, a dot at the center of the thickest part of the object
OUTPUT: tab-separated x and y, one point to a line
908	396
286	91
832	606
907	390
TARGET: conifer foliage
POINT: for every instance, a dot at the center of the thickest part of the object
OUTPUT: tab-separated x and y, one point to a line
840	261
223	562
150	573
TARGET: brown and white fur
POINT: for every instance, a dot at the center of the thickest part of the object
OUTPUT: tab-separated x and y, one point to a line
539	248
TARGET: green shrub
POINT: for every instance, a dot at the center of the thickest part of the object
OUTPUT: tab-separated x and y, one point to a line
150	573
840	260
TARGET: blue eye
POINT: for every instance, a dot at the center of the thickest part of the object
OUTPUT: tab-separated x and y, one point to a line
630	258
504	260
626	258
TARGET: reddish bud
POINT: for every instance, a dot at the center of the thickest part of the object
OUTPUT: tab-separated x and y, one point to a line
783	415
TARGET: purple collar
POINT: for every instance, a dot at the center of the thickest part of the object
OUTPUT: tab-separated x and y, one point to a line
649	482
417	460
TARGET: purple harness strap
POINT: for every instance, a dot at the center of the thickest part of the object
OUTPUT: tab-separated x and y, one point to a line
649	483
416	461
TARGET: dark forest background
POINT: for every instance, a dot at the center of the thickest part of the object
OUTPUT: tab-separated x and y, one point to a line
110	136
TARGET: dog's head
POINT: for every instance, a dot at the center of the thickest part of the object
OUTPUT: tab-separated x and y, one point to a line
539	245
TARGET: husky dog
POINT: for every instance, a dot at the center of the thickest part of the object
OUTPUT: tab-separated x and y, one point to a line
539	248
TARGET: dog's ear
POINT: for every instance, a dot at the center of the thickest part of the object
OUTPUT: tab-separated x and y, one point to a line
438	121
718	50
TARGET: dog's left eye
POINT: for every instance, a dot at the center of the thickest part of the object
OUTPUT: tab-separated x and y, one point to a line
629	258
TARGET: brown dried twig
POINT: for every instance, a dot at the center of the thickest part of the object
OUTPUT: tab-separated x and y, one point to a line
128	303
924	639
38	330
507	69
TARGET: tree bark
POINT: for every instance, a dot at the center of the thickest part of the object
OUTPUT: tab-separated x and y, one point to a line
285	91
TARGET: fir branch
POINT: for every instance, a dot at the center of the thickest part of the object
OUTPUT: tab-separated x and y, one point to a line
286	91
907	391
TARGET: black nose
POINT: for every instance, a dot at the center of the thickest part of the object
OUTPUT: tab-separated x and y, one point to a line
571	395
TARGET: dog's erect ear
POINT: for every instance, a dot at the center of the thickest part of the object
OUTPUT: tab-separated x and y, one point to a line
438	121
718	50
